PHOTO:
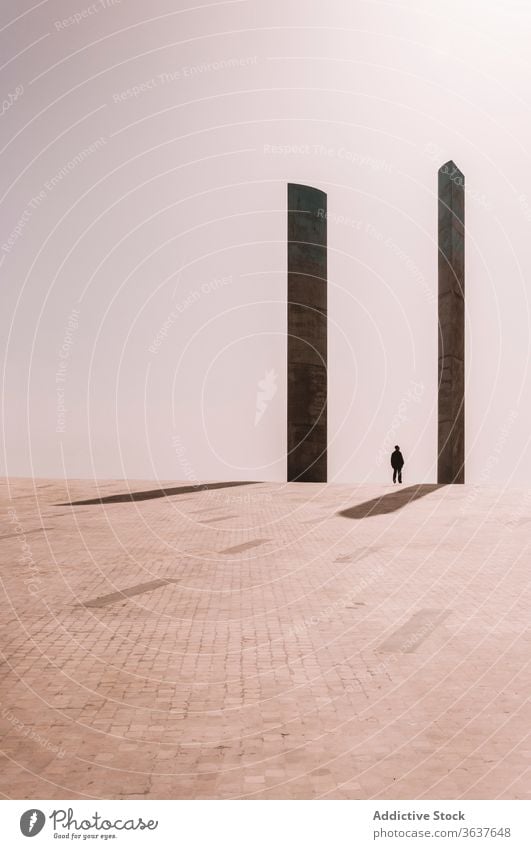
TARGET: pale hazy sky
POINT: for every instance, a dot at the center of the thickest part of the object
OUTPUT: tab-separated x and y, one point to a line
146	150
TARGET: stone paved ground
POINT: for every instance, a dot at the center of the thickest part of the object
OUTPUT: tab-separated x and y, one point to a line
250	641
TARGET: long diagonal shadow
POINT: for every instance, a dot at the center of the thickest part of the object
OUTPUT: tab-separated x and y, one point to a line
145	495
390	502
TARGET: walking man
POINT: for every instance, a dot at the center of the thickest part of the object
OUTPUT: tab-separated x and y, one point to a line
397	461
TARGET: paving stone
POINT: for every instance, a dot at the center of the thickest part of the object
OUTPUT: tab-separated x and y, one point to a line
381	651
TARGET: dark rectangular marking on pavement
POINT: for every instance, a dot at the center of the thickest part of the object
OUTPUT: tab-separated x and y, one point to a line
71	513
413	632
355	556
236	549
204	510
219	518
138	589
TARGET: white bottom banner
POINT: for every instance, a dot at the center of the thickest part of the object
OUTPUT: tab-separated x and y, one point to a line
268	824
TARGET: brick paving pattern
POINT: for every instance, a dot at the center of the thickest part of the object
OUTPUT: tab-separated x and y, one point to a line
264	641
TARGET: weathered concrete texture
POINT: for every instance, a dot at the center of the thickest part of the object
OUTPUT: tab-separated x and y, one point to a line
451	413
307	337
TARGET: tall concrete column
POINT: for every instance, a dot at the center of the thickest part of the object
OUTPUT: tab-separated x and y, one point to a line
307	337
451	406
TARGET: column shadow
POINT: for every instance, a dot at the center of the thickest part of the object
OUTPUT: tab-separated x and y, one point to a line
390	502
145	495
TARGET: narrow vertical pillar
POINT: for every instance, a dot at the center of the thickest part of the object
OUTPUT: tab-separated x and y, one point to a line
451	400
307	337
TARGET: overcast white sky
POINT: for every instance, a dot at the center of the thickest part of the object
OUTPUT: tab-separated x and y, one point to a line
145	155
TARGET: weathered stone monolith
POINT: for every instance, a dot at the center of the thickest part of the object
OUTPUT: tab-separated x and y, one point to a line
307	336
451	406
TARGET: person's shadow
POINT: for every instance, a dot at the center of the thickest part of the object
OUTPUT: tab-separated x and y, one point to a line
390	502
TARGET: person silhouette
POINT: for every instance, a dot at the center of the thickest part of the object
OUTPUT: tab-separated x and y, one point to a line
397	461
